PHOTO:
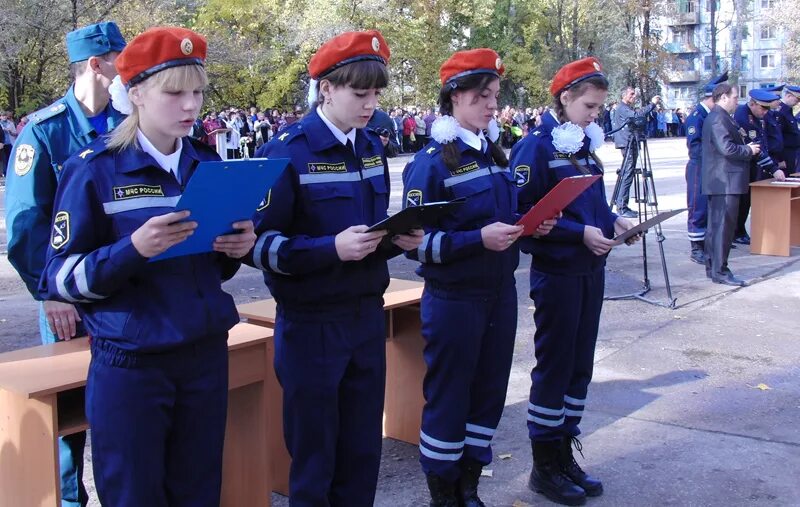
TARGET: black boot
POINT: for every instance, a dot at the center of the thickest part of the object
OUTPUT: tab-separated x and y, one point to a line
443	493
571	469
548	479
698	255
468	483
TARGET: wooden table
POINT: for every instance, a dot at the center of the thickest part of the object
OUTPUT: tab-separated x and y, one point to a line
41	398
775	217
405	370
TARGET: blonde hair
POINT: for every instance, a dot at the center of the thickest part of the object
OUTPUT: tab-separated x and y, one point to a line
175	78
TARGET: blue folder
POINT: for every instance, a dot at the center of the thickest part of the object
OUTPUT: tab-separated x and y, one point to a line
220	193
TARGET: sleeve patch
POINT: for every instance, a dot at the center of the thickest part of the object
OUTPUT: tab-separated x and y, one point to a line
60	235
414	198
522	173
692	130
23	161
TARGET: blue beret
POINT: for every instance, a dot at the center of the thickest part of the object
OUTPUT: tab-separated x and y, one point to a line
794	89
763	96
94	40
775	89
708	89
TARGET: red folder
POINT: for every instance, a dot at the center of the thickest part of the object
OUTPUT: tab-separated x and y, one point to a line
555	201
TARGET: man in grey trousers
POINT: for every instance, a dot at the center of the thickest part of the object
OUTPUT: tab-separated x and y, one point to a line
726	177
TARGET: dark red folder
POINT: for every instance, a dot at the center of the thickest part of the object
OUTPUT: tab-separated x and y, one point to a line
555	201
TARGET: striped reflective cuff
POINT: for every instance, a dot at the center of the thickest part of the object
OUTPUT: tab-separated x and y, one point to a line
436	248
479	436
440	450
573	407
421	249
544	416
272	251
61	278
82	283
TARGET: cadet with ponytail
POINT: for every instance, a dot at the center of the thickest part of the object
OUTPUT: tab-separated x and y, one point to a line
469	305
567	276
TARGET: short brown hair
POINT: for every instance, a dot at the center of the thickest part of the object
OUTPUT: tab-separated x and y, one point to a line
720	90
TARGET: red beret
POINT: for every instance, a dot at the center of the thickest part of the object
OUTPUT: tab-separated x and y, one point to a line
157	49
349	47
473	61
575	72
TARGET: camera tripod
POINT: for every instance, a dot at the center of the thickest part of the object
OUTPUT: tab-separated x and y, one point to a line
647	205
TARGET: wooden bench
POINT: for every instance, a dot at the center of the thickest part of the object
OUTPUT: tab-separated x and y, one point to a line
775	220
405	370
42	397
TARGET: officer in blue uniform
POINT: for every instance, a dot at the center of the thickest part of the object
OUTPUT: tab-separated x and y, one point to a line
469	305
34	169
696	202
750	118
156	394
328	275
773	131
790	128
567	278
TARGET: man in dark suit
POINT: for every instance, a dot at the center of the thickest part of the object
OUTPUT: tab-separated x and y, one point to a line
726	177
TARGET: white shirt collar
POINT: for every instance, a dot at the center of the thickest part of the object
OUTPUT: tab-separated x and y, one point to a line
708	109
337	133
167	162
472	139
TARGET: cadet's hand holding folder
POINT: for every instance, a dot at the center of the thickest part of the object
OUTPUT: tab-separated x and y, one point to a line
222	197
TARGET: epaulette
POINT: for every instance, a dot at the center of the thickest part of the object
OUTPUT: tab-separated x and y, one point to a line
93	149
48	112
429	151
292	131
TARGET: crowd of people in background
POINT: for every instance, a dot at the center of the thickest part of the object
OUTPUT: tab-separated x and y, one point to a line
247	130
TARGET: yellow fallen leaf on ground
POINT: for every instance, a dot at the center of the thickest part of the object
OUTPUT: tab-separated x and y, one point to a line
487	473
504	456
762	386
520	503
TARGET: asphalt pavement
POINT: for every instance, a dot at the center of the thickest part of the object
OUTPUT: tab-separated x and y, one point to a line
696	405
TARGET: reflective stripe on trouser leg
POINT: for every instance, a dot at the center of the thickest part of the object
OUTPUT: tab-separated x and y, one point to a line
564	340
696	202
490	382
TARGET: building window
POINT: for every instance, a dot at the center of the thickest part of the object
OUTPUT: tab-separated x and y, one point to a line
766	85
745	63
742	90
708	4
767	32
679	36
767	61
707	63
767	4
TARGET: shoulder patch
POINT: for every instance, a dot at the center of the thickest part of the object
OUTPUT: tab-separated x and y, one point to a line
138	190
413	198
692	131
60	235
47	113
370	162
522	174
23	160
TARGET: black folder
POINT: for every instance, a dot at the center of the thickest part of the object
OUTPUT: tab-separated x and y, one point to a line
417	217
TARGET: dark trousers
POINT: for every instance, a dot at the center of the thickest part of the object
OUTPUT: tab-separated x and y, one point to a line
333	378
744	205
790	154
158	424
625	174
566	334
723	210
696	201
469	344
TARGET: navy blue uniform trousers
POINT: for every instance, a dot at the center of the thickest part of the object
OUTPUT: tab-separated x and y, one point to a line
567	318
469	344
696	202
158	424
332	370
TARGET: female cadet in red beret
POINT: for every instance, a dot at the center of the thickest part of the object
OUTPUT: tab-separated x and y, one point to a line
567	277
156	394
469	306
328	275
